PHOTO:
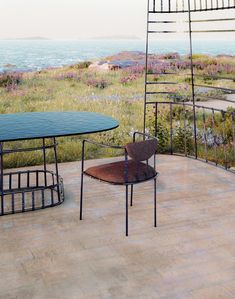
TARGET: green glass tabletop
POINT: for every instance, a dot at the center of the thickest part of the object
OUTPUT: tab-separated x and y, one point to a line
34	125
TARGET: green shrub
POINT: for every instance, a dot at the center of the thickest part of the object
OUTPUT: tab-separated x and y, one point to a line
81	65
183	140
10	80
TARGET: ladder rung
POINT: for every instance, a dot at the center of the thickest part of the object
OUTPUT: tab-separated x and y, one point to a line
155	83
212	20
160	92
162	22
213	76
216	87
165	73
211	31
163	31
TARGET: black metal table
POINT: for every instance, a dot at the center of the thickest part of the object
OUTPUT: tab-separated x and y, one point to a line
27	190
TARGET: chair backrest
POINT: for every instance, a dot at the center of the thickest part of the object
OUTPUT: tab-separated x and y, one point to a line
142	150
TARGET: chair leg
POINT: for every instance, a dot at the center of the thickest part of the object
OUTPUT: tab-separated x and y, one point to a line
81	196
131	195
155	202
126	210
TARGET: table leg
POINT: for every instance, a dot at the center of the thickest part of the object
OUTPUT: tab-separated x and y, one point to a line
44	161
56	169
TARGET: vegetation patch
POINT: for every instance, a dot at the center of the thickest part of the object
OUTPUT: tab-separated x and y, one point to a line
120	94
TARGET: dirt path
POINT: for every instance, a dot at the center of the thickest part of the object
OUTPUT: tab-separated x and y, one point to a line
223	105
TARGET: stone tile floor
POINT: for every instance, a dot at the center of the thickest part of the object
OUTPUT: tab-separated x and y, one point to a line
51	254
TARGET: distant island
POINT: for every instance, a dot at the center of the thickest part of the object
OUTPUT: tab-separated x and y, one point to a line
28	38
113	37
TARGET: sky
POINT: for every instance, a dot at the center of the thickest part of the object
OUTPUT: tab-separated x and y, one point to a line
77	19
72	19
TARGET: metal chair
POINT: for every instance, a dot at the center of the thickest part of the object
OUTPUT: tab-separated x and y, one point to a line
127	172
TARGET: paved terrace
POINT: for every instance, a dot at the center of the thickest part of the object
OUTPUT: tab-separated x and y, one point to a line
51	254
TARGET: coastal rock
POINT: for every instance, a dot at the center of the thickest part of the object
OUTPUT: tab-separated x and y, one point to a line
9	65
128	59
121	60
97	66
113	65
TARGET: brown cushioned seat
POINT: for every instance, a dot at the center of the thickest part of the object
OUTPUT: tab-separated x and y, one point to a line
115	172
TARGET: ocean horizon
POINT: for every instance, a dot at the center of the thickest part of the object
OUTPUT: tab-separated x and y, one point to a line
32	55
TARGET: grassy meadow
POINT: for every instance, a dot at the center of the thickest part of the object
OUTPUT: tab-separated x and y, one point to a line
71	89
118	93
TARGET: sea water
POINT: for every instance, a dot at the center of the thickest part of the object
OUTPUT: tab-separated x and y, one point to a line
27	55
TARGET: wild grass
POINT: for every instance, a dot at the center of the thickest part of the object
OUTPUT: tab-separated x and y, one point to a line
115	93
53	90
